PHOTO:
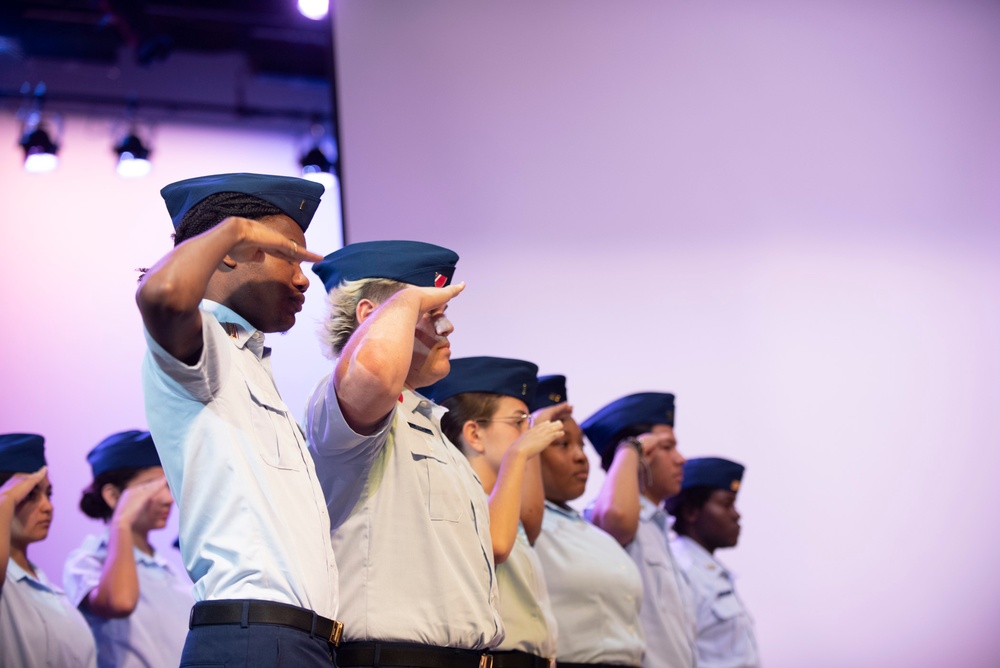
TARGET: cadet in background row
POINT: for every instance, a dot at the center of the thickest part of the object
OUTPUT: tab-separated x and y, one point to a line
39	626
137	607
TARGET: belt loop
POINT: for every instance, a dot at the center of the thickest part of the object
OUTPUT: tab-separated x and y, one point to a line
245	619
377	655
191	616
312	627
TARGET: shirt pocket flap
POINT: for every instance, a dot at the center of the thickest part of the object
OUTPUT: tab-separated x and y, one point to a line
422	444
269	399
726	606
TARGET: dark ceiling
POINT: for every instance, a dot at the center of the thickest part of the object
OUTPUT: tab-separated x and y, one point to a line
275	39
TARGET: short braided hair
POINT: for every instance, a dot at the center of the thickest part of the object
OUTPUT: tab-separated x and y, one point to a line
215	208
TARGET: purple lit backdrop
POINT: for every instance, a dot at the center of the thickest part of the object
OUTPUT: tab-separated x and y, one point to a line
787	213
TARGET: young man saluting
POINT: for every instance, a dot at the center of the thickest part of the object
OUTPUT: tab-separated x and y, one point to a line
254	528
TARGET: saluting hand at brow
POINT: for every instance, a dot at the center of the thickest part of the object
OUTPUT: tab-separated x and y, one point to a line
258	240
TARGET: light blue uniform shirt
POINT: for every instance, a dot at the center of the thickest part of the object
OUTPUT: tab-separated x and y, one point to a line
253	521
153	635
725	630
39	627
525	608
595	589
411	527
667	606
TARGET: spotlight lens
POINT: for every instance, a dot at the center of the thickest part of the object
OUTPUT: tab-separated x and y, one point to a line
314	9
130	167
327	179
40	163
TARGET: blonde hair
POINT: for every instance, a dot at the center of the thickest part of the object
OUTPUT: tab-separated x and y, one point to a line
342	303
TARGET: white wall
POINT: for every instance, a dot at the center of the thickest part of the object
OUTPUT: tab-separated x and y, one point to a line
787	213
71	341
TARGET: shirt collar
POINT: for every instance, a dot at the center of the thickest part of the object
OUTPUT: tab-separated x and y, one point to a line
701	559
565	512
17	574
140	556
237	327
650	511
417	403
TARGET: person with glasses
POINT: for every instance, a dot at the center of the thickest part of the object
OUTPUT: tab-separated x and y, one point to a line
39	626
594	585
487	400
635	437
135	603
411	525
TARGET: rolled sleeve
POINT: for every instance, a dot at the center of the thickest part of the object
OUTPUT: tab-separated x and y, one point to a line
329	434
202	380
81	575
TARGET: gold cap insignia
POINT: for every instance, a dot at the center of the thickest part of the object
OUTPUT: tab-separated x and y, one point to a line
735	485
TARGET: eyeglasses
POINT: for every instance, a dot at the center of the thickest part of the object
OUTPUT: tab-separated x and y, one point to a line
521	421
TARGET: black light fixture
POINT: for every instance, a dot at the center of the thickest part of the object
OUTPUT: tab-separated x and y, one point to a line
40	149
319	162
315	161
133	156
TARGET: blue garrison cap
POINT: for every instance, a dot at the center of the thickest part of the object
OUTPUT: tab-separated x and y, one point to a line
714	472
414	262
125	450
496	375
551	390
21	453
642	408
297	198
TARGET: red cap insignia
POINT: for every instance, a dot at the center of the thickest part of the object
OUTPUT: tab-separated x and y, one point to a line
439	280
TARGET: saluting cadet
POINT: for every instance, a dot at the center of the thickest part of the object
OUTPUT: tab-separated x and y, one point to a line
635	437
254	529
38	624
595	588
411	524
137	607
707	520
487	400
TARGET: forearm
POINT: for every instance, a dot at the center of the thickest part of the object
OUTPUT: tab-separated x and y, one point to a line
505	504
117	592
532	499
6	516
616	508
371	371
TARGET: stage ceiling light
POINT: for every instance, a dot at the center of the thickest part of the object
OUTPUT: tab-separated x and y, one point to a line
133	157
314	9
39	150
316	166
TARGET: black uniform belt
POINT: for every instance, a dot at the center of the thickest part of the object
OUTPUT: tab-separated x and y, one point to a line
410	654
245	612
517	659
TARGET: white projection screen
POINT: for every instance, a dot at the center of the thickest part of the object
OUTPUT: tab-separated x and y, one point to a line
786	213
